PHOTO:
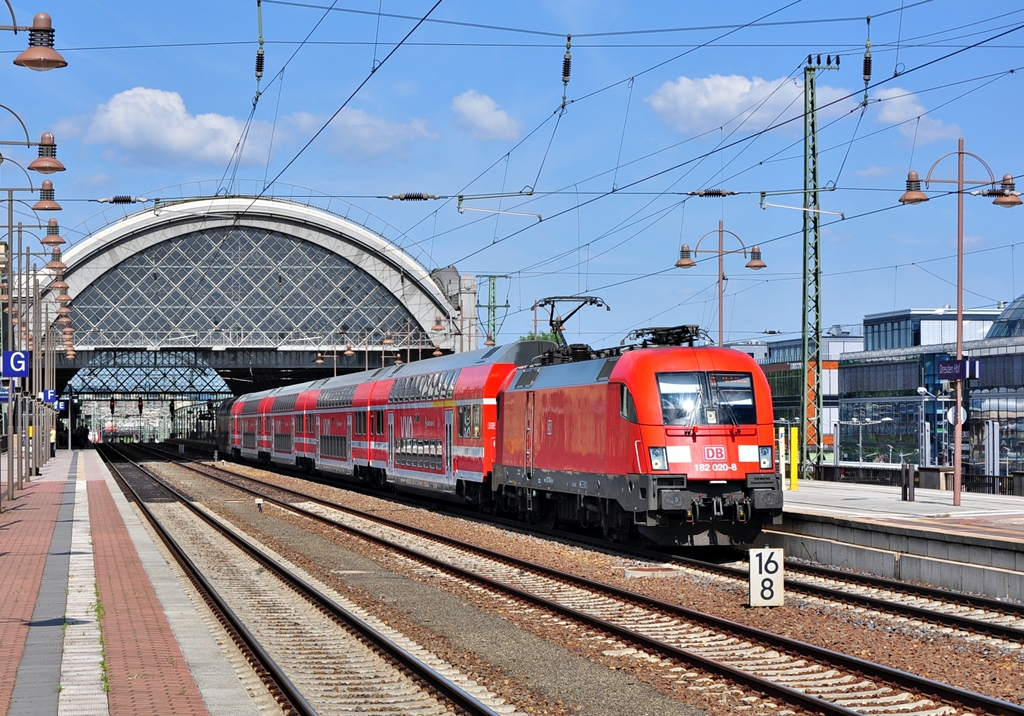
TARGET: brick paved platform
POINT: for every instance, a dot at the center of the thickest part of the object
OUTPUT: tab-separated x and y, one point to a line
75	563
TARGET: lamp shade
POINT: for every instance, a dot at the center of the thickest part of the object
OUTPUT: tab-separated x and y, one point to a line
40	55
685	261
755	262
53	239
913	194
47	162
46	201
1008	197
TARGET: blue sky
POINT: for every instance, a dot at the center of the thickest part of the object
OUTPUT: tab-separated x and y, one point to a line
664	98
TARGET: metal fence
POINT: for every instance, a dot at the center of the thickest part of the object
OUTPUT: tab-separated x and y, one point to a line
928	478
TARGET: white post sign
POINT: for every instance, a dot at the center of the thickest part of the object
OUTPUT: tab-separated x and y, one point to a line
766	577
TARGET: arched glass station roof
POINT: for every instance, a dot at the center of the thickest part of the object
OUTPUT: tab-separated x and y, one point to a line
242	286
255	288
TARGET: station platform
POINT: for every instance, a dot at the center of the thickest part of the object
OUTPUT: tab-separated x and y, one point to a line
93	619
977	546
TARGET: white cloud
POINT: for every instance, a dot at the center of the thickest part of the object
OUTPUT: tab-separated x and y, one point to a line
360	135
897	105
150	122
155	122
480	115
697	105
874	171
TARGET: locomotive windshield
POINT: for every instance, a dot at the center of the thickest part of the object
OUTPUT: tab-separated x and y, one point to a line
697	398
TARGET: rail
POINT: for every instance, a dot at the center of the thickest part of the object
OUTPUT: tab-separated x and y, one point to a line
938	690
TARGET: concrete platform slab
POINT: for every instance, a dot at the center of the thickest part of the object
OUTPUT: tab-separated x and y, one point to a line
977	546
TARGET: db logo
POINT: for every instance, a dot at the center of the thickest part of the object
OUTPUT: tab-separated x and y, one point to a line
714	452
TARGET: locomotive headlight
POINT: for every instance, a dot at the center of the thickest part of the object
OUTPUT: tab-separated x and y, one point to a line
765	453
659	458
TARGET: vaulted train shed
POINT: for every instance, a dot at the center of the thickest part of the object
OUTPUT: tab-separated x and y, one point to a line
263	291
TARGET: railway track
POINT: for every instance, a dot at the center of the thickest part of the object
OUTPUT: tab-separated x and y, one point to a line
317	653
973	614
800	674
1000	620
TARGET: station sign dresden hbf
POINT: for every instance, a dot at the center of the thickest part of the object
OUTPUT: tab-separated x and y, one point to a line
959	369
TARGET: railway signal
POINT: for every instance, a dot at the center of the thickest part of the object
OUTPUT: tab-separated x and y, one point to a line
140	406
172	408
111	406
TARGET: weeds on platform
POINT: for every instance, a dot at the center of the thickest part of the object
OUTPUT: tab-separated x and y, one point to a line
101	612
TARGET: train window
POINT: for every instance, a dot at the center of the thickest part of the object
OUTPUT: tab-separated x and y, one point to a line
378	422
733	395
360	423
707	398
465	421
682	399
476	421
627	408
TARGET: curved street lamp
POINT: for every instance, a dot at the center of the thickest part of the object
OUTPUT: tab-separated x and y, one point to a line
1007	197
40	55
686	261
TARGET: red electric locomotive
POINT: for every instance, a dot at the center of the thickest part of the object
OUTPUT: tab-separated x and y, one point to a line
670	441
662	439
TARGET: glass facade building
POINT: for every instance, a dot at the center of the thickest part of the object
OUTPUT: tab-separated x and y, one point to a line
920	326
876	411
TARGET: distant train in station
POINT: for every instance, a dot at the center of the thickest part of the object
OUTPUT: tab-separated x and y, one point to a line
659	440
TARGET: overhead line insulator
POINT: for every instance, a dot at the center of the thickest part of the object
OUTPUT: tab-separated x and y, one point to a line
259	64
566	68
567	60
413	196
867	63
712	192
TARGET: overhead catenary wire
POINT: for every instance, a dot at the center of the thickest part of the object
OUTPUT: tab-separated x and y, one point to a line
236	156
351	96
748	138
616	33
986	40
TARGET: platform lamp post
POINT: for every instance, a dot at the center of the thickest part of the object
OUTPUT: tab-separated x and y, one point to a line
755	264
62	324
46	163
1006	196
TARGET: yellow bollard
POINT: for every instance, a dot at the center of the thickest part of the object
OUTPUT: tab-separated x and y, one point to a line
794	457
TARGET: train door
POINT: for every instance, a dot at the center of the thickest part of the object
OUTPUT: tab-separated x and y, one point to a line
316	440
348	438
449	478
391	441
528	441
